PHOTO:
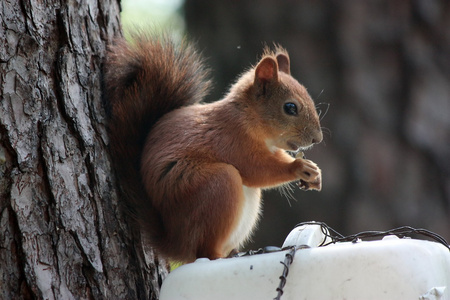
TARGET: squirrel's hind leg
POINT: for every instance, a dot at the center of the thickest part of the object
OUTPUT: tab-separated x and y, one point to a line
207	211
220	202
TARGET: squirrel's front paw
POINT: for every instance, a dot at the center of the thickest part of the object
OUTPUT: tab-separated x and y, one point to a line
309	174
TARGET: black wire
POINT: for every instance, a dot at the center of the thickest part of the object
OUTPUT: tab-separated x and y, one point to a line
289	258
404	231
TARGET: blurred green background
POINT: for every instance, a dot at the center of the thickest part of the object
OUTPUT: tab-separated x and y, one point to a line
383	67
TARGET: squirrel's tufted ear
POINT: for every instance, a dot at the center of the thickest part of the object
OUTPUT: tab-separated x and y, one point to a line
283	63
266	71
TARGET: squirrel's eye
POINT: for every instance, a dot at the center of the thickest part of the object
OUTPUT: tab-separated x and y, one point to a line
290	108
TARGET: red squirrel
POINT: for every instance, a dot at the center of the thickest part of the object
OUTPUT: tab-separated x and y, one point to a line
192	173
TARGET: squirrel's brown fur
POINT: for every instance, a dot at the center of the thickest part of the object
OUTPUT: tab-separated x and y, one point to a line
191	172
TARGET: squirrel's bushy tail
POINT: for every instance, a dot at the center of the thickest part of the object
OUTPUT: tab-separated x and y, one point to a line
145	78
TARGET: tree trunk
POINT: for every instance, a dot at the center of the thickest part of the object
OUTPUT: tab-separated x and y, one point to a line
63	234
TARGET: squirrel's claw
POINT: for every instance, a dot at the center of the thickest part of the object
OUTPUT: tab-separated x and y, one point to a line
309	186
310	175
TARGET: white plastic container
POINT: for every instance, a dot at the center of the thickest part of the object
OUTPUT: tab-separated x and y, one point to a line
390	268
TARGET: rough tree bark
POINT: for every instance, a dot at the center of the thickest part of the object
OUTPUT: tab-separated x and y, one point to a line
62	232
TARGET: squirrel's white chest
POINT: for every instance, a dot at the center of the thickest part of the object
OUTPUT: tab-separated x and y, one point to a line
249	215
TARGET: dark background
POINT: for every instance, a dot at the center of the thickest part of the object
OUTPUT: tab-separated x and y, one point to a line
384	69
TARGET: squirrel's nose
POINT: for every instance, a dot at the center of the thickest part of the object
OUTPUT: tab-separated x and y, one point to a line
318	137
